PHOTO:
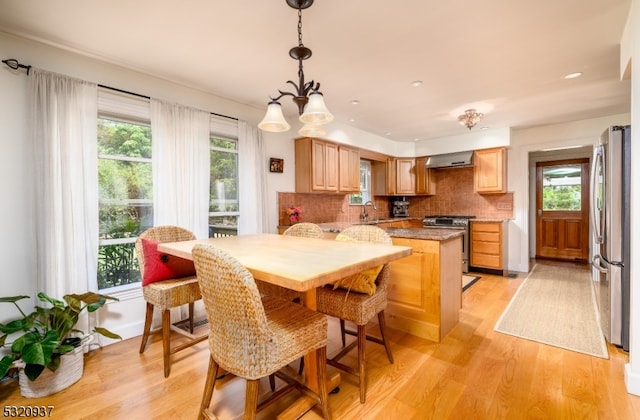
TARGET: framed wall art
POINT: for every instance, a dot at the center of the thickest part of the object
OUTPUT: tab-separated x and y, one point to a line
276	165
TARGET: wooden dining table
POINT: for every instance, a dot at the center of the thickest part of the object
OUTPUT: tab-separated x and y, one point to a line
301	264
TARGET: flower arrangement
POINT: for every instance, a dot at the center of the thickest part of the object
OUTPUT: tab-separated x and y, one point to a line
295	214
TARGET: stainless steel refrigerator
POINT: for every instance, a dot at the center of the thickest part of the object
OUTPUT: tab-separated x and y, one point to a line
610	201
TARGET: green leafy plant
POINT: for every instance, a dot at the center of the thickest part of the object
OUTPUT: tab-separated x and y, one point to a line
49	331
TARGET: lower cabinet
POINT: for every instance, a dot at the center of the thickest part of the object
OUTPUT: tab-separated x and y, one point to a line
425	289
488	246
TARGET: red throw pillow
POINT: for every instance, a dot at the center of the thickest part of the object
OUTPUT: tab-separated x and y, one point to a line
160	266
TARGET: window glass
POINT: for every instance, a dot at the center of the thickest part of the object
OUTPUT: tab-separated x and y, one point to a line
365	184
125	198
223	203
562	188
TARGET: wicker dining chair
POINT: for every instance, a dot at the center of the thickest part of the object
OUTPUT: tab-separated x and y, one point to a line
167	294
358	308
252	336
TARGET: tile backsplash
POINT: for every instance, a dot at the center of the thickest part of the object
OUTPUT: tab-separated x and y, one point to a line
454	196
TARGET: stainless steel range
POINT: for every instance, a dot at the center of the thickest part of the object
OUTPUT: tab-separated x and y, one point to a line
453	222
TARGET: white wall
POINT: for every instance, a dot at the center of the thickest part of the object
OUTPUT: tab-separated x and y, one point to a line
630	52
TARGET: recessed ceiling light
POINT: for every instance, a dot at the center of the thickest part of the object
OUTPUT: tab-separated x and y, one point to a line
352	120
573	75
388	133
416	83
355	102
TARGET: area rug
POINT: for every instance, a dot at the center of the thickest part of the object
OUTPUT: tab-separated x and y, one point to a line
556	305
468	281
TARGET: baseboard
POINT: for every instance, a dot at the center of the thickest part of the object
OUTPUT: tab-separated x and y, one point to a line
632	380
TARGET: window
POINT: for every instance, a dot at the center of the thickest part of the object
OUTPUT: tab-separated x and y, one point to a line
365	184
562	187
125	198
223	204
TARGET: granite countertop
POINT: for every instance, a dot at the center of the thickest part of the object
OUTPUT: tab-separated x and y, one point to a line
433	234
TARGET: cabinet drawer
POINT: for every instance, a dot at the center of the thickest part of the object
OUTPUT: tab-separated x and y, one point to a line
492	248
484	260
486	237
485	227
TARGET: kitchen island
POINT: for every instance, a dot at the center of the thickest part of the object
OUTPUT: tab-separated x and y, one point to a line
425	288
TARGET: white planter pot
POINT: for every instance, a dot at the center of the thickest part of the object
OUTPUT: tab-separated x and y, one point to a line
69	372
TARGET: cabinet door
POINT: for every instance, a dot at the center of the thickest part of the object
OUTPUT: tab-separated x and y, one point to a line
425	179
349	163
331	167
490	171
405	176
318	166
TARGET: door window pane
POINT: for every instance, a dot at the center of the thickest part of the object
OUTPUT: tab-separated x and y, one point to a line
562	188
223	193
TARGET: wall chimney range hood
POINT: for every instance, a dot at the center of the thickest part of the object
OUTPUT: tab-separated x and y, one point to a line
451	160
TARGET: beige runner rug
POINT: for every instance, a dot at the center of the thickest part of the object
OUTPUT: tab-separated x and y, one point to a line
556	305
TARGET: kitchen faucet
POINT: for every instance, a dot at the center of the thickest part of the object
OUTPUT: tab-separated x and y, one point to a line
365	215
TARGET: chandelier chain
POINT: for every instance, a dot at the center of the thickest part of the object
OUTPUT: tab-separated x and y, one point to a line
300	27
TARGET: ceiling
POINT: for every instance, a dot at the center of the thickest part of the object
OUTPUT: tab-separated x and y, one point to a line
505	58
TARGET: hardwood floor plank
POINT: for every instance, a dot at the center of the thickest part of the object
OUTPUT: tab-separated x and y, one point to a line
474	372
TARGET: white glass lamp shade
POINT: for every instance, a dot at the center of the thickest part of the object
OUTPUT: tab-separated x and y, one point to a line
312	130
273	120
316	111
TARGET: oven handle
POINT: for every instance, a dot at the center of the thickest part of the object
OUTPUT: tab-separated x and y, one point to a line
444	227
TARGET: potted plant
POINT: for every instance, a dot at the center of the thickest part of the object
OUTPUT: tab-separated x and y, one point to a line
47	338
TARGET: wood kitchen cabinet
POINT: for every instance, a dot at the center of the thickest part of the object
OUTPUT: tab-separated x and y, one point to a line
396	176
317	165
424	291
425	179
488	246
349	169
490	171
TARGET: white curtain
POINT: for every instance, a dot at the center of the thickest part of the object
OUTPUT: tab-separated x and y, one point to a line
63	116
252	183
180	166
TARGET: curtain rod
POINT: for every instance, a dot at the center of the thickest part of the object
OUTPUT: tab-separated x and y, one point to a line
15	65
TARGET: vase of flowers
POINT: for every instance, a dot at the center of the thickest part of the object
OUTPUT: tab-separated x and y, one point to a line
295	214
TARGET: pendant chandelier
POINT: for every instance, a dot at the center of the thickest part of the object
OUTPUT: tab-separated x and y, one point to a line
470	118
311	107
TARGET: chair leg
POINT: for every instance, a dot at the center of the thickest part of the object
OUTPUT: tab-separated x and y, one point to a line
166	341
191	305
147	327
362	363
209	386
321	359
342	333
272	382
383	329
251	401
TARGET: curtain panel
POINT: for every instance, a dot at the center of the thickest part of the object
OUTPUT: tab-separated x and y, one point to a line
181	166
63	133
252	182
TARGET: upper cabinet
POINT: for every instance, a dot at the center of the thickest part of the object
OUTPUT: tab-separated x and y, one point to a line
349	169
316	166
402	176
322	166
425	179
490	171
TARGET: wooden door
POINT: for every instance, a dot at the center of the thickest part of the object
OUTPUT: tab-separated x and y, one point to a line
562	210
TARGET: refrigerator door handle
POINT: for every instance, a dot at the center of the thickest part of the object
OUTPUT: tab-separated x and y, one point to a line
598	162
597	261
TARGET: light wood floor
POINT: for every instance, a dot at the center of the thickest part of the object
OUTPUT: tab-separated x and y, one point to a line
474	373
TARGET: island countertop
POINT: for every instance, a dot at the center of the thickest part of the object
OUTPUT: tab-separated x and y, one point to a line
433	234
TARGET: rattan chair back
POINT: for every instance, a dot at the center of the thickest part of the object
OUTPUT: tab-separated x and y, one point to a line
239	337
306	230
